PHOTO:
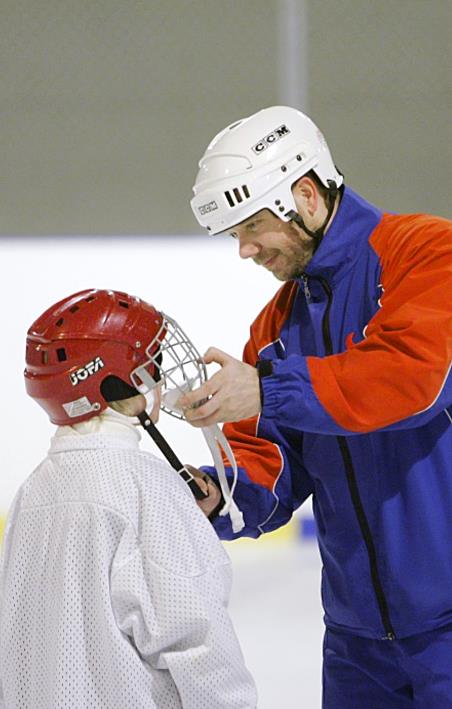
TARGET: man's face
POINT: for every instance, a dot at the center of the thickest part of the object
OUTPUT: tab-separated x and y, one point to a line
280	247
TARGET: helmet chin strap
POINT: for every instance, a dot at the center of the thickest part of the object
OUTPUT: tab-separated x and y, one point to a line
217	442
317	234
170	455
179	358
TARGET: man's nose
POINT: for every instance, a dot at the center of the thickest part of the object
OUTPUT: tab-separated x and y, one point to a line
248	249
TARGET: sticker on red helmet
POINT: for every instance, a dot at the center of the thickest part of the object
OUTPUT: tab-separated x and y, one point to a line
80	407
90	368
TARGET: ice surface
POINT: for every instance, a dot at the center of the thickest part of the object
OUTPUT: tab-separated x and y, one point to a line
276	610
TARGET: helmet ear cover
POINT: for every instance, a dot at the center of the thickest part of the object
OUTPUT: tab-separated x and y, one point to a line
113	388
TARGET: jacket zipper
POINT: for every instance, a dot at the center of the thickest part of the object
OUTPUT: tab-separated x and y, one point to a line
354	490
307	292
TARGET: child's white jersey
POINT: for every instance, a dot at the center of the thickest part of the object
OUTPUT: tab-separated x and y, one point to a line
114	587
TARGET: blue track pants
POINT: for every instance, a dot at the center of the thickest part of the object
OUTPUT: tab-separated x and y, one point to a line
412	673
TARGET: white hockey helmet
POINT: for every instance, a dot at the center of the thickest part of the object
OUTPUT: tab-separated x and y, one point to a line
252	165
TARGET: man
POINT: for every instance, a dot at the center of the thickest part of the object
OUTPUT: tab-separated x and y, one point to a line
113	585
344	394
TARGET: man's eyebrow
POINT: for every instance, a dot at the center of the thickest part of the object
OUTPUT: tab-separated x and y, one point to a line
246	223
252	220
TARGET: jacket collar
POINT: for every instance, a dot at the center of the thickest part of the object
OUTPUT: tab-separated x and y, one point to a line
352	225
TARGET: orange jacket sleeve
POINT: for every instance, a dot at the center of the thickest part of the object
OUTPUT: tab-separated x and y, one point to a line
402	366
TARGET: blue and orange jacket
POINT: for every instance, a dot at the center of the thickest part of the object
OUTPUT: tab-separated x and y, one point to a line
357	412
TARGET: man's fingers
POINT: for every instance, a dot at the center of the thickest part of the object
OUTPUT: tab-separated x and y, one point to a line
198	415
232	394
211	387
205	391
203	423
203	484
208	486
218	356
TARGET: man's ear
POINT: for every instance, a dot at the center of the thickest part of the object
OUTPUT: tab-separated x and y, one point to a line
306	196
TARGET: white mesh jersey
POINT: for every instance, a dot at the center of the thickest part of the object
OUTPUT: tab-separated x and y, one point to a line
114	586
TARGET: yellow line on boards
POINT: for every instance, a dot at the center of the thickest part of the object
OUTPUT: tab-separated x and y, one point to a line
286	533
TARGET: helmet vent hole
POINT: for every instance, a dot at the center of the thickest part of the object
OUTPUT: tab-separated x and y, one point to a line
73	309
59	322
237	195
229	198
61	354
123	304
90	299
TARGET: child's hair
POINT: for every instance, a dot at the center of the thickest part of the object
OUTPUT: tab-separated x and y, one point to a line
132	406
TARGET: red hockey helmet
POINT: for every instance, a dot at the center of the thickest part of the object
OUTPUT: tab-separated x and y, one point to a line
87	339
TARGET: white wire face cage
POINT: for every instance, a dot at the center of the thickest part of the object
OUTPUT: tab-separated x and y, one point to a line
178	366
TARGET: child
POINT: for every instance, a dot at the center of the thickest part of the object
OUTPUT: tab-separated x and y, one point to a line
113	585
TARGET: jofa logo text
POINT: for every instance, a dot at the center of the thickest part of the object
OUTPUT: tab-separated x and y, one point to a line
271	138
86	371
209	207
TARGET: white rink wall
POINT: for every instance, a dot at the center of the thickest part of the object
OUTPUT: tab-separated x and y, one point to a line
214	296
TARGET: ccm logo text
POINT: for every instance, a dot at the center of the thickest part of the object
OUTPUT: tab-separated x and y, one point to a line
271	138
209	207
86	371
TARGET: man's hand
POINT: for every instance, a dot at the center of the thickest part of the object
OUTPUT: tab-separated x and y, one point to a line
231	395
207	486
